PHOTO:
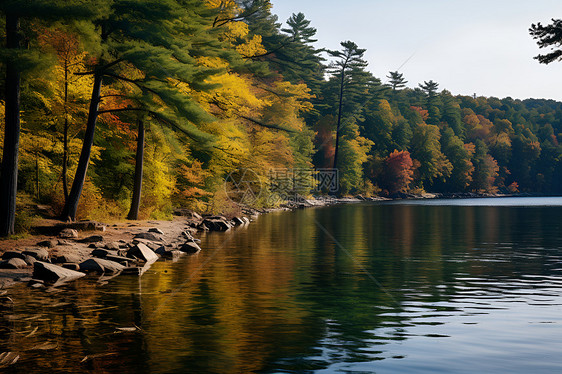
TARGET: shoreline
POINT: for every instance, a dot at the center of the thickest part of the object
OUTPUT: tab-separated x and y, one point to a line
86	246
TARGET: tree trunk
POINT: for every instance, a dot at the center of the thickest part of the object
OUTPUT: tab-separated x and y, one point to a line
71	204
339	119
65	136
137	188
9	174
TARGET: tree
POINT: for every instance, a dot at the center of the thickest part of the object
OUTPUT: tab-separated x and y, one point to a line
396	80
548	36
18	60
166	58
430	89
349	70
398	172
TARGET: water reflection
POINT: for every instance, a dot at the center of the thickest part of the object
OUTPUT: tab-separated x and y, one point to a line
452	283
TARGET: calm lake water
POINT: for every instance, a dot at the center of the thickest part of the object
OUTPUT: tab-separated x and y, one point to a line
461	286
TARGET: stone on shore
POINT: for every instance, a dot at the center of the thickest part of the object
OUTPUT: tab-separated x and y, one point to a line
38	253
189	247
156	230
101	266
48	243
92	239
142	252
217	224
68	234
13	263
68	257
53	273
148	236
112	246
13	254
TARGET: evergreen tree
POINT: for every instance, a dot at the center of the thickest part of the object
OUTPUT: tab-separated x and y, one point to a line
430	89
396	80
548	36
20	58
167	57
348	71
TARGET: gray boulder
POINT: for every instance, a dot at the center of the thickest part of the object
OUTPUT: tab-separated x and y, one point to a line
217	224
38	253
13	263
189	247
48	243
148	236
68	234
68	257
13	254
92	239
101	266
112	246
142	252
30	260
53	273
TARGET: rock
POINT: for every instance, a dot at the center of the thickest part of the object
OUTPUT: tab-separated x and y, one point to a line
187	235
238	221
92	239
112	246
156	230
187	213
71	266
48	243
13	263
148	236
189	247
119	259
142	252
68	257
101	266
217	224
30	260
169	253
36	283
202	227
13	254
246	220
99	253
38	253
68	234
85	226
173	254
54	273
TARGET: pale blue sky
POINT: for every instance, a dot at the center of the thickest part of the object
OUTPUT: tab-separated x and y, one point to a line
468	47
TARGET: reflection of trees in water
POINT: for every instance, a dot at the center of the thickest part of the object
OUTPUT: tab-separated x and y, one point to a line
281	295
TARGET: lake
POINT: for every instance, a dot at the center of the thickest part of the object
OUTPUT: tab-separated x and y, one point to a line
430	286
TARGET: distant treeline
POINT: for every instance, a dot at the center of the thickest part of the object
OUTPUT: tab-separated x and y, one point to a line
168	96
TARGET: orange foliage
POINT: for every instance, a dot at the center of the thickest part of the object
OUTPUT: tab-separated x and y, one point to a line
423	113
399	171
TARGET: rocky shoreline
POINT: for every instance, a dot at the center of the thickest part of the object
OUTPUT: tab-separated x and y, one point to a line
62	252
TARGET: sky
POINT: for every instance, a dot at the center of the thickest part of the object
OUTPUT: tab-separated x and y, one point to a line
468	47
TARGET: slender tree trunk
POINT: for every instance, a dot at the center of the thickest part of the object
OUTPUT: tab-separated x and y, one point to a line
65	136
37	173
9	174
71	205
339	120
139	163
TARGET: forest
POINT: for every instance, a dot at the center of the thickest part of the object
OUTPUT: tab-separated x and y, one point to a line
130	108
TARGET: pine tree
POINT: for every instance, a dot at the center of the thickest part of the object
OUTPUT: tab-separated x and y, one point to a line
548	36
19	60
430	89
166	54
348	71
396	80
